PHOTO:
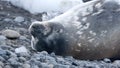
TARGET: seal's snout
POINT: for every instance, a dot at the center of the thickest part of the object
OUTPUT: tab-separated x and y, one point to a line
38	29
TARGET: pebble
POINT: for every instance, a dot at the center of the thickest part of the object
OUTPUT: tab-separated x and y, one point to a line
1	64
11	54
23	54
19	19
2	52
7	20
61	66
8	66
61	60
21	49
23	38
2	40
2	59
117	63
26	65
22	59
11	34
107	60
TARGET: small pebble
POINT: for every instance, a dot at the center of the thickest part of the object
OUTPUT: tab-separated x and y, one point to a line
21	49
107	60
19	19
23	38
61	66
7	66
2	40
22	59
7	20
1	64
26	65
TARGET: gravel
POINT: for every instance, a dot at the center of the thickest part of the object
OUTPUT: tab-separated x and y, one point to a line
9	58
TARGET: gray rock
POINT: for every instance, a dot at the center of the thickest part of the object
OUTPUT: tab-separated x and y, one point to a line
1	64
7	66
2	52
21	49
61	66
11	54
61	60
1	67
117	63
2	40
7	20
23	54
6	47
107	60
2	59
45	65
11	34
19	19
13	60
35	66
23	38
22	59
26	65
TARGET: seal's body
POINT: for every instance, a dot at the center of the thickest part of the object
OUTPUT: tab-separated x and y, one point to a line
87	31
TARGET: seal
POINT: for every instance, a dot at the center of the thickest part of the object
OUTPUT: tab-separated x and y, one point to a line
88	31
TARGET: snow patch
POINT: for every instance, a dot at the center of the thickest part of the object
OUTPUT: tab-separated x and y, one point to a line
38	6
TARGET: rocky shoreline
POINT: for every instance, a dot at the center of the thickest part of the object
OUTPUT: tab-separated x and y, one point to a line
15	49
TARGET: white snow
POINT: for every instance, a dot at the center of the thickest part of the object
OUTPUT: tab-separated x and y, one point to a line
21	49
38	6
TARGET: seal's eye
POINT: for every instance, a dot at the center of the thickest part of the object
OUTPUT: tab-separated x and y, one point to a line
57	27
37	30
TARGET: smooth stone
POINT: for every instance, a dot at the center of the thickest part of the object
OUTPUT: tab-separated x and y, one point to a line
61	66
2	40
21	49
7	20
19	19
26	65
1	64
11	34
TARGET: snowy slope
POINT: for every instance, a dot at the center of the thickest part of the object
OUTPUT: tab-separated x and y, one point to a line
37	6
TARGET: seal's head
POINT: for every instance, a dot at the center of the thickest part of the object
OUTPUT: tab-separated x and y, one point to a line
47	36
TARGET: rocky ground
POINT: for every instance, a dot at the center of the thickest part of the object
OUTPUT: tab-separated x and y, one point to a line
15	49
